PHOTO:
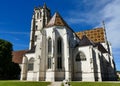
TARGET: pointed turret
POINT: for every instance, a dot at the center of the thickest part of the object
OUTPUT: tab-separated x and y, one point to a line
57	20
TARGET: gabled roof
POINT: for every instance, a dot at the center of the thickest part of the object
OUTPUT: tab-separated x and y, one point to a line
85	41
18	56
56	20
96	35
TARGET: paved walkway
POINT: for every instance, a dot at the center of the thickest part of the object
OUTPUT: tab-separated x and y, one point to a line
56	84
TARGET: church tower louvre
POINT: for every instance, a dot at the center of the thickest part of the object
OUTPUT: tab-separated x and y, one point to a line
40	18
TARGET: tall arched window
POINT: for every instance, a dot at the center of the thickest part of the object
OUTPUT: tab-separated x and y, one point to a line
59	46
80	56
49	53
49	62
49	46
31	64
59	53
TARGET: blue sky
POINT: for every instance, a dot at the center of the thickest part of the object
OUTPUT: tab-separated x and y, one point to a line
15	19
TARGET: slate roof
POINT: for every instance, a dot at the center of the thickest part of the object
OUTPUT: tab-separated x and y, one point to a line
96	35
85	41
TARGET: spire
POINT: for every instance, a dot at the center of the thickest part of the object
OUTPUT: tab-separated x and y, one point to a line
44	6
56	20
103	22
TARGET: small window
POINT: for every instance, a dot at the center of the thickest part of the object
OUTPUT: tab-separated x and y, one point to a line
31	64
80	56
40	14
35	38
37	15
36	27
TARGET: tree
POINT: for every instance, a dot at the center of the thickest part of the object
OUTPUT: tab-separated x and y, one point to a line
8	69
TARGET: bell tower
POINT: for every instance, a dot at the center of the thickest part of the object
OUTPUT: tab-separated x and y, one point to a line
41	17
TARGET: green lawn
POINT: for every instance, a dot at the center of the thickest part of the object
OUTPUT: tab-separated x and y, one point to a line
19	83
94	84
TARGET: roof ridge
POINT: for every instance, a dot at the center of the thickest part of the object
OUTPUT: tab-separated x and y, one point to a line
90	29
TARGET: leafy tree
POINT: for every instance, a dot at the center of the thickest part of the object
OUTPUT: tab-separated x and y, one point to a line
8	69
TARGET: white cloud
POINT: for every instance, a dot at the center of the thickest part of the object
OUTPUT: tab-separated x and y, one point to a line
87	11
111	14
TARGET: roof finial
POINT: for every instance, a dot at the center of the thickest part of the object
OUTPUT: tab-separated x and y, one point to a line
44	6
104	30
103	23
84	34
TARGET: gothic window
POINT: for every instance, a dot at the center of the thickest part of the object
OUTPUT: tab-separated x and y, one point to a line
59	62
49	46
80	56
31	64
49	62
59	53
49	53
59	46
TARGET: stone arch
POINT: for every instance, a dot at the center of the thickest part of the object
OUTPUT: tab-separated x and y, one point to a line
80	56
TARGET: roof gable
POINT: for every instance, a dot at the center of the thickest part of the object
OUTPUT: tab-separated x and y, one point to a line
85	41
56	20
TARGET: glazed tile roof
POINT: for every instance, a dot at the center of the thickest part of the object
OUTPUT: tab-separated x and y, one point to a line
18	56
96	35
56	20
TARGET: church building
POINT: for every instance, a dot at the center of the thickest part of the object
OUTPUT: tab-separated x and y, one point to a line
57	53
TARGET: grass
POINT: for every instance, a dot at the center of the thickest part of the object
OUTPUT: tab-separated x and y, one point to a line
20	83
94	84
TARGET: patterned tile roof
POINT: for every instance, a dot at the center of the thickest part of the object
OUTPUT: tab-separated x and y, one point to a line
18	56
96	35
56	20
